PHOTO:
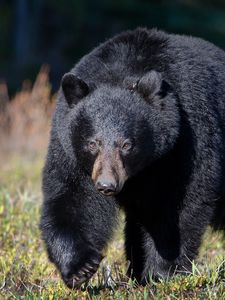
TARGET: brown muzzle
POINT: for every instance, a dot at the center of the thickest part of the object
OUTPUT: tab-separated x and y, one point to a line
108	173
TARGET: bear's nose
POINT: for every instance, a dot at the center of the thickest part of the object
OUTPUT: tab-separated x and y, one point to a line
106	188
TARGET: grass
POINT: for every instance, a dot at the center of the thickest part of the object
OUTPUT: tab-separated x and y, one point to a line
25	272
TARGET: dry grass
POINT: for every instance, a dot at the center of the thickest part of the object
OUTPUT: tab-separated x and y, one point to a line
25	119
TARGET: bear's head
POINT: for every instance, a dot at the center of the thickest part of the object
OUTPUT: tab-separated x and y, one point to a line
120	130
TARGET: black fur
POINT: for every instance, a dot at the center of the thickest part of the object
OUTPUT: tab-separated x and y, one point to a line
166	93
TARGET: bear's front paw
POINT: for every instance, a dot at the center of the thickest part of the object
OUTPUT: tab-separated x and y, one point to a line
75	276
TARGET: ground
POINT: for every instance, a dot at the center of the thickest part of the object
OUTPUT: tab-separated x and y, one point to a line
25	272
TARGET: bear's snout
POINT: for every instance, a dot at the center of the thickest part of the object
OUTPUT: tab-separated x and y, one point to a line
108	174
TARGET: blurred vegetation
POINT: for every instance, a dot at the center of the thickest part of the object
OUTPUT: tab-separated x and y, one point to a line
58	33
25	119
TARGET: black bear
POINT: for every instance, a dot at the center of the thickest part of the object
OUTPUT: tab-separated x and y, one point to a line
139	124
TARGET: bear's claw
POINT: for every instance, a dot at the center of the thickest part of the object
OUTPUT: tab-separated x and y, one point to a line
84	274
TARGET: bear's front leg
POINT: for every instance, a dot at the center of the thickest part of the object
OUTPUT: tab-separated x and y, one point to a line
151	252
76	259
166	246
76	225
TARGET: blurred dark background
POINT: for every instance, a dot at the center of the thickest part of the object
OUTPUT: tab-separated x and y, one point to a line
58	33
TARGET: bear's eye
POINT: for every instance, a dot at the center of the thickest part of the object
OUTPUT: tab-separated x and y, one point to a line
126	145
93	146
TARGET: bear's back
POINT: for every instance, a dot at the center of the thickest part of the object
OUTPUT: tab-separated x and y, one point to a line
139	51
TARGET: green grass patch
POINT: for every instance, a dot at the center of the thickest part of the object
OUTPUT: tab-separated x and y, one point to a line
26	273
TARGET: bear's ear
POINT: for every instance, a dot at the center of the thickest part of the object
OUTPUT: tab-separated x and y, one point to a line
73	88
151	85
